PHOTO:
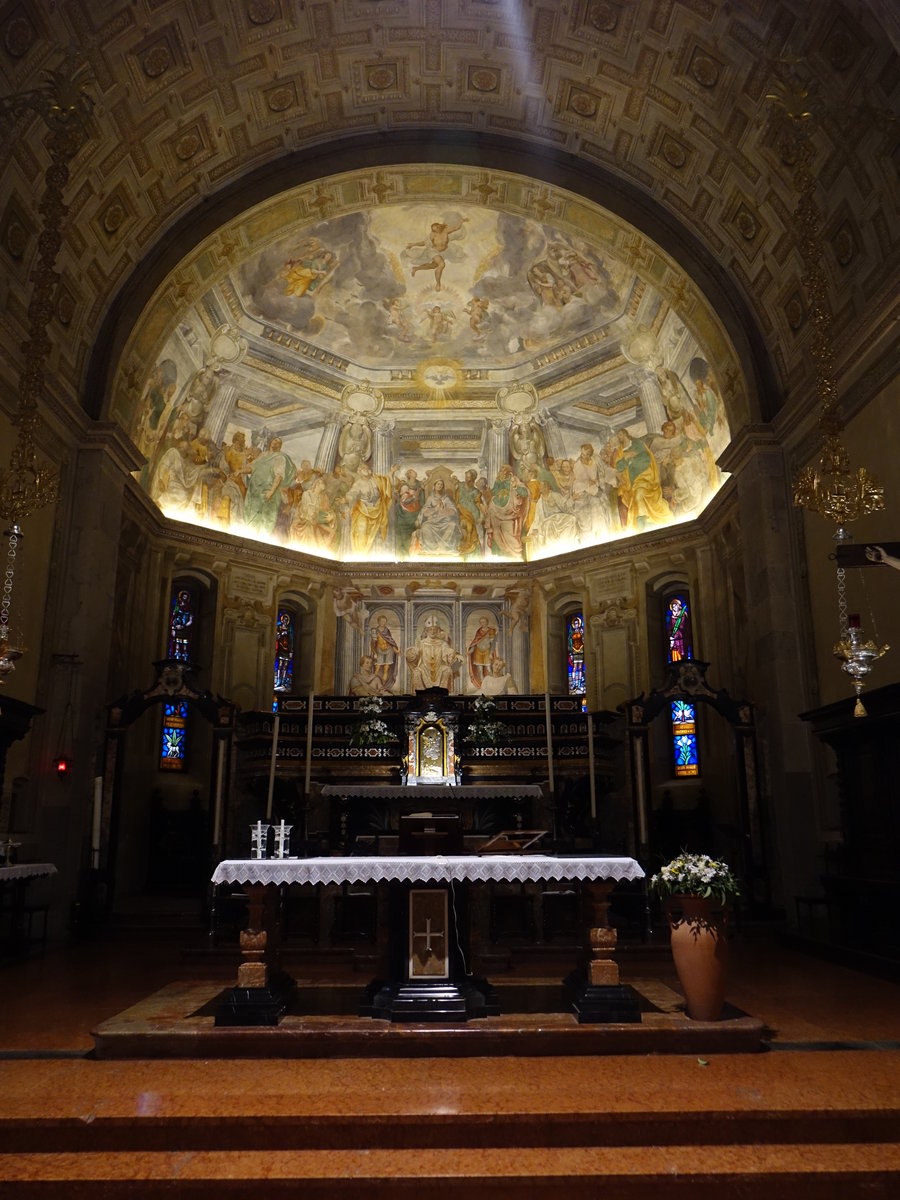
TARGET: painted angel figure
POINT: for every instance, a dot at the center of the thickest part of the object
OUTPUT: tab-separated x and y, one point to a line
348	603
518	600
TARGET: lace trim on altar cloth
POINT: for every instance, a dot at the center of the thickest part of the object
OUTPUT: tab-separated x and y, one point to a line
26	871
507	868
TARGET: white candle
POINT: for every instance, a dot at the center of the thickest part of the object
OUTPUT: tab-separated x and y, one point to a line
549	739
220	782
309	737
281	840
259	849
95	824
272	766
590	735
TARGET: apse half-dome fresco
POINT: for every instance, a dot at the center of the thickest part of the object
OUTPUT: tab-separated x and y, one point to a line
429	363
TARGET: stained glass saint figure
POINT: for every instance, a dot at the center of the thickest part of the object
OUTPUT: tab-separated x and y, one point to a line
181	624
678	629
284	651
575	643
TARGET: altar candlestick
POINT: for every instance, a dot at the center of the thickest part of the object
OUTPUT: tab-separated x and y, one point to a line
281	840
549	739
272	766
95	824
590	735
309	737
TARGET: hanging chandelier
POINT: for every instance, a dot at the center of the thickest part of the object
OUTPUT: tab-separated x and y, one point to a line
27	484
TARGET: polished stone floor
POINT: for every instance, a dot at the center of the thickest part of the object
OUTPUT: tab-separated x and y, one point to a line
831	1052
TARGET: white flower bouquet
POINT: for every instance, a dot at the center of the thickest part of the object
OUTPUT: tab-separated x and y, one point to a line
696	875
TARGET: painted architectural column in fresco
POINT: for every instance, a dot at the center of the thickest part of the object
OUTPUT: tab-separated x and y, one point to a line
652	404
553	438
498	449
327	451
381	454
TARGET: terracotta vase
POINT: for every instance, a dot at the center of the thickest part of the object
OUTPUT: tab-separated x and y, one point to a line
700	951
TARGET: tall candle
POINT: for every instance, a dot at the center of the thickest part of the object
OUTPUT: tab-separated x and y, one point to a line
309	737
272	766
590	736
95	824
549	739
281	840
220	782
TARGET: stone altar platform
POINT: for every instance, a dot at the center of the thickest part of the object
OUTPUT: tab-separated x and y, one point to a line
321	1022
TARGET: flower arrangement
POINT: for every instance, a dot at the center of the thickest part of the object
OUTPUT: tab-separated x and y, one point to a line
483	729
371	730
696	875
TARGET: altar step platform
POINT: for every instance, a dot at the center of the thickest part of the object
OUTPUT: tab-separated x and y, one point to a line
535	1019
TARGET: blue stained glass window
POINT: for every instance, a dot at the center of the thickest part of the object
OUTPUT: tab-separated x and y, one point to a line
181	623
686	750
284	651
684	739
174	736
575	647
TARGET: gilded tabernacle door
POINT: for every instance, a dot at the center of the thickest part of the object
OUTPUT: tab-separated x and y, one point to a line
431	744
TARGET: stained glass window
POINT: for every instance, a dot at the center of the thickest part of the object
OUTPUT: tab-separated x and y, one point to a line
678	628
174	737
684	739
575	647
284	651
181	623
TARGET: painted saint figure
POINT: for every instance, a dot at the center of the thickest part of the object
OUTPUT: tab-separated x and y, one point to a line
437	529
384	652
366	681
480	651
432	661
499	682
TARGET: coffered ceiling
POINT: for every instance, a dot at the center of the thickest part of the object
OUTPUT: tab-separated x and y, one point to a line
196	98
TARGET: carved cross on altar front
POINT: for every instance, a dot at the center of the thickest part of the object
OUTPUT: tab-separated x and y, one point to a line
428	934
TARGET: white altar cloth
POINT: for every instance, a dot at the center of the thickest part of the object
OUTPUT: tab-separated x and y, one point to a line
26	871
479	868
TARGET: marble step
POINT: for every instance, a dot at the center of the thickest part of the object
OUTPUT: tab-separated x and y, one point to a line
700	1170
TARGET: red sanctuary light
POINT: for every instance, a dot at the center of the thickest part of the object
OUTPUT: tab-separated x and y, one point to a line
62	766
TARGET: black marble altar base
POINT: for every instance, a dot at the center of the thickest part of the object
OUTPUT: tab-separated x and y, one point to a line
441	1000
595	1003
253	1006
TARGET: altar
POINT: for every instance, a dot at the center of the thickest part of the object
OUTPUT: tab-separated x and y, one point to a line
357	806
429	974
14	881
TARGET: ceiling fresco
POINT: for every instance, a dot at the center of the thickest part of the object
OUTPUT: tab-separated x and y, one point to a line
429	364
